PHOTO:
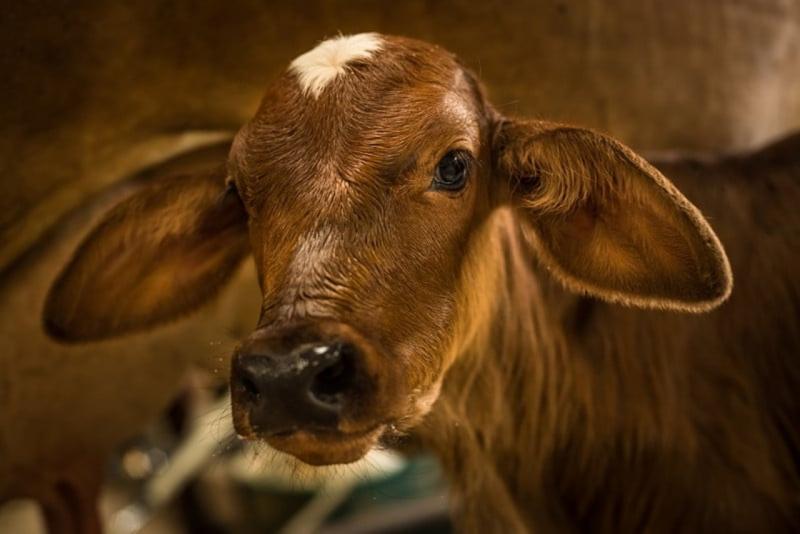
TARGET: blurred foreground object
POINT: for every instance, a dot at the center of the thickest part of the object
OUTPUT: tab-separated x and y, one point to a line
267	490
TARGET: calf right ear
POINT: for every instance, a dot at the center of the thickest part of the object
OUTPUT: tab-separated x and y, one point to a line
154	257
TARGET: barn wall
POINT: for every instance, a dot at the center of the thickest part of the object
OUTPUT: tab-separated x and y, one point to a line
93	91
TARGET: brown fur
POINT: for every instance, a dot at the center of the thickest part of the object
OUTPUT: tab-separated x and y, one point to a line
175	242
621	420
557	411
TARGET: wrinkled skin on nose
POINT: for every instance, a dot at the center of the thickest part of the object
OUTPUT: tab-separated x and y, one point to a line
355	249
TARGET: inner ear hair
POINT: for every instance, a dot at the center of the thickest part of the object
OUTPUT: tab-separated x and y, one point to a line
607	223
551	176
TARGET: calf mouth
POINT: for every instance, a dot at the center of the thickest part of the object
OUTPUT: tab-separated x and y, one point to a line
326	447
317	446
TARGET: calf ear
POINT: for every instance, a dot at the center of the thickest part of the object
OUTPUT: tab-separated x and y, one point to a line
607	223
154	257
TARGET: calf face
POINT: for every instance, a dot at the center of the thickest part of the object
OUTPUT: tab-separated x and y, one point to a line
361	187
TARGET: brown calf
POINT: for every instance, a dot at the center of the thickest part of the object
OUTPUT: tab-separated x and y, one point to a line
402	228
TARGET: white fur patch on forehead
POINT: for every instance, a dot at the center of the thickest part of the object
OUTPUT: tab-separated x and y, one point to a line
317	68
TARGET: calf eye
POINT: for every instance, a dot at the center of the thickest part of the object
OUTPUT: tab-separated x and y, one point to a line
452	170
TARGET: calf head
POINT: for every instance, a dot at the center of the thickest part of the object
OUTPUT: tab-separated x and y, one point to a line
359	188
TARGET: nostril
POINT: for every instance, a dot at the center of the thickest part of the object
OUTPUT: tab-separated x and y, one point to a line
247	373
328	386
249	386
332	383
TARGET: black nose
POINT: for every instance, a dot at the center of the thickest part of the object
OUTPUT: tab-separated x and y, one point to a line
305	387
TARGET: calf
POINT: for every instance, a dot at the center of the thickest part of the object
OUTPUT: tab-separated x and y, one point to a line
523	294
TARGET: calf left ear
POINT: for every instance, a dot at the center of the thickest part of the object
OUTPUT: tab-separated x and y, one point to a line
155	256
607	223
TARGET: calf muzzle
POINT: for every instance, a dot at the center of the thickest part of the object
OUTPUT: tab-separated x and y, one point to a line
295	379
